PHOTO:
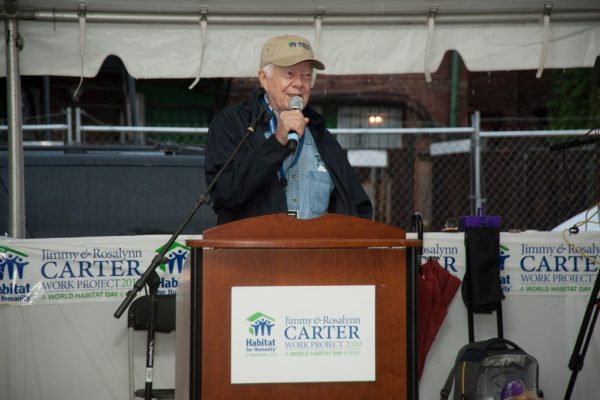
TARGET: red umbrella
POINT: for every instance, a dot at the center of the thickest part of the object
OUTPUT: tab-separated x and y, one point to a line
437	288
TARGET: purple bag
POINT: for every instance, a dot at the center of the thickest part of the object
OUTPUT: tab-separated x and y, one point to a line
480	220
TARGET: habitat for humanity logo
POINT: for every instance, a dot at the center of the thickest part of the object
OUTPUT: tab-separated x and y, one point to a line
293	44
176	257
504	280
261	328
12	265
260	324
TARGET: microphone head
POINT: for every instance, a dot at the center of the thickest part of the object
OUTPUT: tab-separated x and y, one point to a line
296	103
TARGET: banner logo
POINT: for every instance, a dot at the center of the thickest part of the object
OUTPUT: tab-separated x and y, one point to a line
12	266
176	257
12	263
503	256
505	280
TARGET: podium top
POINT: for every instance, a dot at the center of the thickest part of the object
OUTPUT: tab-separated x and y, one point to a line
283	231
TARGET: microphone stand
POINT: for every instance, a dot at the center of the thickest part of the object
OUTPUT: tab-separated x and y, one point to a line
202	199
583	338
150	277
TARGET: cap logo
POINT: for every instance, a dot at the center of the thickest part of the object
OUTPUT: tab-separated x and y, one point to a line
286	50
294	44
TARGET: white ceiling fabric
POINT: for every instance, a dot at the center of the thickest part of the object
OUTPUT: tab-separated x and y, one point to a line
161	50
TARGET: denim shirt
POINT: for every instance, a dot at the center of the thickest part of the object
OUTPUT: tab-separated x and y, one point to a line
308	183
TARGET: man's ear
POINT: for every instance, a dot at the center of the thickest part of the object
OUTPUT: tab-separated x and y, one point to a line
262	77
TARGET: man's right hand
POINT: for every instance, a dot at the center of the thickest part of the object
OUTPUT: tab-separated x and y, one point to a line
292	120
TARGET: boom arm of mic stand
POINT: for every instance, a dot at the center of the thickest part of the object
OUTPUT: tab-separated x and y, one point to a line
203	199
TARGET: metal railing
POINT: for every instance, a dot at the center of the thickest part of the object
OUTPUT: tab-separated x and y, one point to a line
441	172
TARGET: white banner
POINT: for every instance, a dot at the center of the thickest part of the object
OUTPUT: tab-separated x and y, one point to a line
531	263
302	334
48	271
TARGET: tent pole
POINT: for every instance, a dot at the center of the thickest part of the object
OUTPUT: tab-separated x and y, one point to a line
476	154
55	15
16	187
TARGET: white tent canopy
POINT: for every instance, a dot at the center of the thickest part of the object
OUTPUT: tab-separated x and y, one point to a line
217	38
222	38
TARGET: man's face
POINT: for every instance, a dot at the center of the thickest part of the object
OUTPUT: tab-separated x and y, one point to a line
286	82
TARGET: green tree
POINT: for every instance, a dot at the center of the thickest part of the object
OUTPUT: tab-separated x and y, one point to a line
573	103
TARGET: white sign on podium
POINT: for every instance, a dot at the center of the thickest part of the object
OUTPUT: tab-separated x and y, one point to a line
302	334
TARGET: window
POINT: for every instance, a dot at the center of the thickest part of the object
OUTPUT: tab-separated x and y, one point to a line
362	117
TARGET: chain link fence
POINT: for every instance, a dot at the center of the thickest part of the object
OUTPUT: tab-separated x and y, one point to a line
520	179
443	173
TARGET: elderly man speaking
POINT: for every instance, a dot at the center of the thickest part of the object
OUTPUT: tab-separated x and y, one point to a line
291	163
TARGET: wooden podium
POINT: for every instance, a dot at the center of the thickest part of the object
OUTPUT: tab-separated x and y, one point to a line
278	250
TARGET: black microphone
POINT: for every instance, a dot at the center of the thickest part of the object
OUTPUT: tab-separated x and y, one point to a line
573	143
296	103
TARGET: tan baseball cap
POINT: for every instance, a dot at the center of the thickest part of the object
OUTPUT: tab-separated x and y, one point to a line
287	50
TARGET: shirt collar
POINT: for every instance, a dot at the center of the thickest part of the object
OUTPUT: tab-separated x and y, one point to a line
274	115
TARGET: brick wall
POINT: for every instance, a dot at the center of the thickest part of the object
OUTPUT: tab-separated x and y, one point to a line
426	103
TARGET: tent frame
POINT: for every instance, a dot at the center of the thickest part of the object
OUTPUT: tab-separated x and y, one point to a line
16	181
12	14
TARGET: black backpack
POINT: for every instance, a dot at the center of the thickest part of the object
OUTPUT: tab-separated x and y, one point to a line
483	368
